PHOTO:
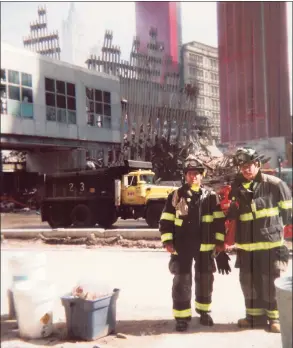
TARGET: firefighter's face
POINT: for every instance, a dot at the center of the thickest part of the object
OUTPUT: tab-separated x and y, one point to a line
193	177
249	170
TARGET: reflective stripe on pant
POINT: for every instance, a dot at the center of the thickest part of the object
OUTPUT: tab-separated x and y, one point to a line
182	285
258	271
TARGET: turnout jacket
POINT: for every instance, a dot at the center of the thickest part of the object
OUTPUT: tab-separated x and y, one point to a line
193	221
264	205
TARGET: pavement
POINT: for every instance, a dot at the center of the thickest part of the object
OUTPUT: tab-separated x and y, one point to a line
30	220
144	305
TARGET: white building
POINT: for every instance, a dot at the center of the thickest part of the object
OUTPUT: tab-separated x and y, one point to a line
200	67
52	103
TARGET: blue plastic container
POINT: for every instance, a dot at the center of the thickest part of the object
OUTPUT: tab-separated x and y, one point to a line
90	320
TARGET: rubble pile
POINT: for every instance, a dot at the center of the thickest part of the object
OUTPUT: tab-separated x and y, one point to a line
93	241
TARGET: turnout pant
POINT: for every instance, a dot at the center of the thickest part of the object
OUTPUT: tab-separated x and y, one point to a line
181	268
258	271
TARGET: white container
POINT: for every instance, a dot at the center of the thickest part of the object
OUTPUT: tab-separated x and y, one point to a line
25	266
284	300
34	303
28	266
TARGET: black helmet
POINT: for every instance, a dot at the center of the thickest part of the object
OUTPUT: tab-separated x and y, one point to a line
192	163
245	155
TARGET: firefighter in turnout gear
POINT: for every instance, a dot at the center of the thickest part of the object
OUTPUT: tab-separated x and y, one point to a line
192	227
261	204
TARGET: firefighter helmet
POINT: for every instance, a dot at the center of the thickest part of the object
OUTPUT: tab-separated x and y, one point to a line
245	155
192	163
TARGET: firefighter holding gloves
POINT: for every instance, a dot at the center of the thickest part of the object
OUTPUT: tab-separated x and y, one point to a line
261	204
192	227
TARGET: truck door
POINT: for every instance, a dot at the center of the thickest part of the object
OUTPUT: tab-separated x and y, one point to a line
128	194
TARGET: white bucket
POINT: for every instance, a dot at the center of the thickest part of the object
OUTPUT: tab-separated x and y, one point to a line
25	266
28	266
284	300
34	303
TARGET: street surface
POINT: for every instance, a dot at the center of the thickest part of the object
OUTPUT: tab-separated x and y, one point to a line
144	312
30	220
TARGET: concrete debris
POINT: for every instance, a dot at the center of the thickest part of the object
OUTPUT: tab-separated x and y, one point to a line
121	335
92	240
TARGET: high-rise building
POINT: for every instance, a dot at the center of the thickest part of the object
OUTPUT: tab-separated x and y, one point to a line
200	67
253	71
73	49
166	18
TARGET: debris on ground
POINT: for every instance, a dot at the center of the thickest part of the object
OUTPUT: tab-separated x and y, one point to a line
92	240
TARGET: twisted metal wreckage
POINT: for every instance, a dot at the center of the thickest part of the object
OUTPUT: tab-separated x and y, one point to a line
159	121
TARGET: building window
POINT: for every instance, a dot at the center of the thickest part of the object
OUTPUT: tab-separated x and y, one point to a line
215	103
213	63
215	90
200	101
60	101
199	73
192	71
200	87
98	108
17	98
214	77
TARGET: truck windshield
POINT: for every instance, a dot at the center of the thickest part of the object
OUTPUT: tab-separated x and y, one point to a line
149	179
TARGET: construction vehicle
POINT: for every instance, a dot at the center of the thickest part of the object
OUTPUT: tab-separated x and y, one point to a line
101	196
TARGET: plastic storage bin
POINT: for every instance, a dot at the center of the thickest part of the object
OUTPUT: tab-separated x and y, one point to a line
89	320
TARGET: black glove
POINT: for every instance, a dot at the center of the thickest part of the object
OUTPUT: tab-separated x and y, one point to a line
283	254
222	261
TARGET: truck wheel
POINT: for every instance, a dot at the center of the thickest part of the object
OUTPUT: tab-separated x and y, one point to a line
108	218
81	216
153	214
56	218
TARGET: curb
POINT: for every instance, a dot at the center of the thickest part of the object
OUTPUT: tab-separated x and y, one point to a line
134	234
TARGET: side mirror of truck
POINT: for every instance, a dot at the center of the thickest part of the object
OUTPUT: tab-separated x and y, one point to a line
158	181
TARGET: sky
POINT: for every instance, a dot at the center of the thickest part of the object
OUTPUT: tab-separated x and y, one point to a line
199	23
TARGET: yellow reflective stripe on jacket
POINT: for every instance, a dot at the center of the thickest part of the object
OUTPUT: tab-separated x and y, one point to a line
285	204
203	306
168	216
246	217
272	314
272	211
207	247
182	314
255	311
178	222
259	245
260	214
218	214
166	236
207	218
220	236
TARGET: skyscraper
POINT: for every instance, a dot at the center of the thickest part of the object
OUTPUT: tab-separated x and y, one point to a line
253	70
73	49
166	18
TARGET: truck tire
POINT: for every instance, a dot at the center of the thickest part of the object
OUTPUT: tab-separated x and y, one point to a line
81	216
153	214
57	218
108	217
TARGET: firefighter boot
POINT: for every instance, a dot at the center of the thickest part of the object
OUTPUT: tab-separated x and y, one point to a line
274	326
250	323
181	325
206	319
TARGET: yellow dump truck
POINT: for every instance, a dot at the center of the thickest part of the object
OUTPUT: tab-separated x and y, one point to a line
101	196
